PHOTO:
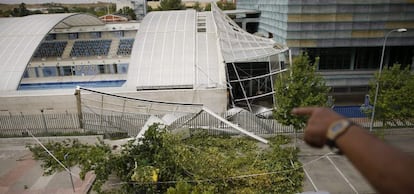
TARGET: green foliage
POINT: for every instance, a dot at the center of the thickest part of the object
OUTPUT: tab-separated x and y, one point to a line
197	6
226	5
222	5
48	134
395	102
201	164
301	86
58	10
20	11
149	9
97	11
186	188
208	7
171	5
128	12
95	158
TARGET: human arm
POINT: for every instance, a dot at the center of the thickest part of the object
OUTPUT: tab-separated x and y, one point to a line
388	170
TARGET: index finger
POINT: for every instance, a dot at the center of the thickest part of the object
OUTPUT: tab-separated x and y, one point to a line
303	110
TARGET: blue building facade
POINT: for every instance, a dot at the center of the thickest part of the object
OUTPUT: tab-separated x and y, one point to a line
346	35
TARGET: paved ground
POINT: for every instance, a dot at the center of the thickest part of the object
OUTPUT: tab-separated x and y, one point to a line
335	174
19	173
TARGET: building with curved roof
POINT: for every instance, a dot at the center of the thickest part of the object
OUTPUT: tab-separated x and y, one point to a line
185	53
21	36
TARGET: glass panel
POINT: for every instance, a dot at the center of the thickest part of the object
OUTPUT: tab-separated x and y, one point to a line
119	34
95	34
91	70
122	68
49	71
101	69
51	37
72	36
26	74
66	71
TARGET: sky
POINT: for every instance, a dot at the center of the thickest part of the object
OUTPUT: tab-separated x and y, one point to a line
67	1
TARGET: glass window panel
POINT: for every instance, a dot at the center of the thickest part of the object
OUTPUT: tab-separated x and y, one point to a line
49	71
51	37
66	70
122	68
118	34
26	74
101	69
72	36
96	34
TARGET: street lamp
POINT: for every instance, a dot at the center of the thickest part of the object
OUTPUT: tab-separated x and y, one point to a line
379	73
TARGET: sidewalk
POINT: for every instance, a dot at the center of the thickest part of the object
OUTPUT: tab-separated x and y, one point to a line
335	174
19	173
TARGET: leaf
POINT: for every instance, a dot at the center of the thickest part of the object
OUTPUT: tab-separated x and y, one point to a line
302	86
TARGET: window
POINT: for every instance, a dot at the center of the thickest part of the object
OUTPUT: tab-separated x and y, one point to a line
122	68
31	72
367	58
90	70
114	69
26	74
79	70
66	71
101	69
360	89
339	90
201	30
72	36
119	34
49	71
96	34
332	59
51	37
36	70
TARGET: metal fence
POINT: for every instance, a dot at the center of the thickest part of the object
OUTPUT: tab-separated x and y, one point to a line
16	125
244	120
67	123
114	123
131	124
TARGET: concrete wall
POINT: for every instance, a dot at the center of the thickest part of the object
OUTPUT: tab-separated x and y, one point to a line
60	101
33	104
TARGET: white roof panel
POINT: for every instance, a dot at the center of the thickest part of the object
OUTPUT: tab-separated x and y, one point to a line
163	53
189	49
238	45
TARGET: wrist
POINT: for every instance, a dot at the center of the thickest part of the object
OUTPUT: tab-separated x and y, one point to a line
336	130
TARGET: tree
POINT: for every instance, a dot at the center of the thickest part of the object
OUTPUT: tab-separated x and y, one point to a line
169	163
171	5
149	9
97	158
395	102
226	5
208	7
21	11
127	11
301	86
197	6
222	5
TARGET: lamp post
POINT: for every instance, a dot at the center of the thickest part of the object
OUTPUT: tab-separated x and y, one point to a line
379	73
